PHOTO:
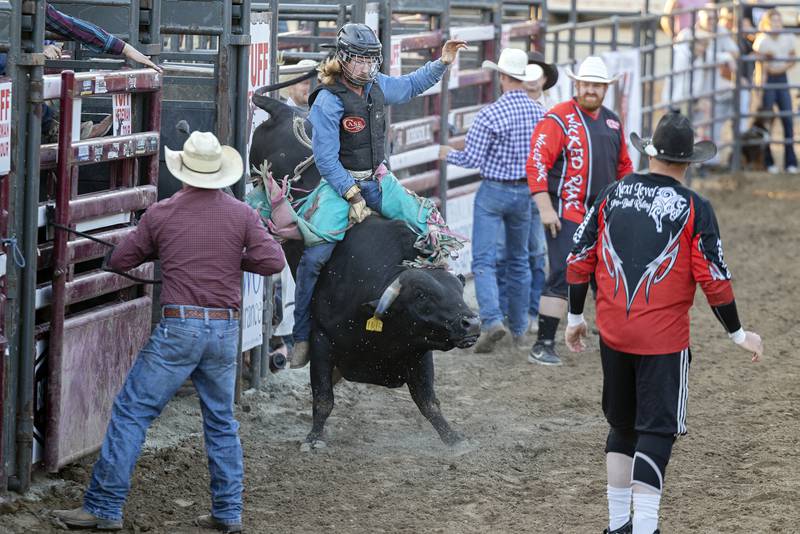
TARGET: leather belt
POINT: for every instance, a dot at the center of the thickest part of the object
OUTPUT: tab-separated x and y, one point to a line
516	181
197	313
361	175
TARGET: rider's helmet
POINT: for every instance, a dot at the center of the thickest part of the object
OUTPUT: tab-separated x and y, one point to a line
359	52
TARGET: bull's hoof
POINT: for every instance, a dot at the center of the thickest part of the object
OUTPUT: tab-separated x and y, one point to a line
453	438
313	444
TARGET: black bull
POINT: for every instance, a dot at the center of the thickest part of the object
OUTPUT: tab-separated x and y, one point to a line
422	309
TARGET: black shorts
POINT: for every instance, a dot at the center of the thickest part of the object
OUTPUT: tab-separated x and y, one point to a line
558	249
646	393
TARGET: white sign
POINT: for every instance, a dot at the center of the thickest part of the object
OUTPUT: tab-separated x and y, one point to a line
372	16
624	97
5	128
396	62
252	305
121	105
259	71
459	219
252	312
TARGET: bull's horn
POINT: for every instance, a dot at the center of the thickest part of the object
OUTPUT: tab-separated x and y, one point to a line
388	297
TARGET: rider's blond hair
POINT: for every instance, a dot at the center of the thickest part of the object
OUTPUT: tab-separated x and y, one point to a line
329	71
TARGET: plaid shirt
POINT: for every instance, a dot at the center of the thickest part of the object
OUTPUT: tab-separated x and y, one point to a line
499	139
93	37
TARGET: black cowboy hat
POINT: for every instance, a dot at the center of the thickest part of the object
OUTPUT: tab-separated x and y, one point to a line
673	140
550	70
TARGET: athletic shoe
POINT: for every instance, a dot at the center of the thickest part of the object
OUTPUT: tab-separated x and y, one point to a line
544	352
627	528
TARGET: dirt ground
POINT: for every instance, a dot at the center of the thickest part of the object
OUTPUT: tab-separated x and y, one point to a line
534	460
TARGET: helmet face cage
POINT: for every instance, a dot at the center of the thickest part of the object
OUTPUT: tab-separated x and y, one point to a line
350	70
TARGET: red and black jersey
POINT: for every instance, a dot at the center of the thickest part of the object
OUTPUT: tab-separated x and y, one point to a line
574	155
649	241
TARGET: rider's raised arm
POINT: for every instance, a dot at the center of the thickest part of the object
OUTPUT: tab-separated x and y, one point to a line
401	89
325	116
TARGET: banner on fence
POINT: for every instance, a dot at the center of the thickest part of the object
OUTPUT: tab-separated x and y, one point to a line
121	113
252	310
259	70
5	127
624	96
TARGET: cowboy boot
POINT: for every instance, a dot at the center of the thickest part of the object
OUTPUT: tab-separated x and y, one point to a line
80	518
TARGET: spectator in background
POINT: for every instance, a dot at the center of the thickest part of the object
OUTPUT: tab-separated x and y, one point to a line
673	23
752	13
296	95
776	51
701	68
537	89
727	23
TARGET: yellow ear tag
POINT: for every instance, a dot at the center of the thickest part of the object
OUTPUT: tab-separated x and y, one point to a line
374	324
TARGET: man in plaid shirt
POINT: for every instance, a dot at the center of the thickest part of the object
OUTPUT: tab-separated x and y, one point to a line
498	143
95	39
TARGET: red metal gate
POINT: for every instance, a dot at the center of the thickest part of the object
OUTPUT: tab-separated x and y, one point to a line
98	320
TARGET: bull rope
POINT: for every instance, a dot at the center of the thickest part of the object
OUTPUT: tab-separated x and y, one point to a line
280	85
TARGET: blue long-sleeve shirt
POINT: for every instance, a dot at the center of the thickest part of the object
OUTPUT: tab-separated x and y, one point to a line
327	111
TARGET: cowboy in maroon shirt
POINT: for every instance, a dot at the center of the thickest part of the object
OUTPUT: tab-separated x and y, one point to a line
204	239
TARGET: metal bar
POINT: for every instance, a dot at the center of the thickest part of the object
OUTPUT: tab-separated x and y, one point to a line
119	201
444	112
736	156
294	9
255	364
24	438
273	46
241	104
15	180
60	263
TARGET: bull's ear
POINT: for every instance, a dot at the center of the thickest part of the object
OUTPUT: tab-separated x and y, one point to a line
463	279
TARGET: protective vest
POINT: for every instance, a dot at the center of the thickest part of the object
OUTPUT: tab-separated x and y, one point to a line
362	128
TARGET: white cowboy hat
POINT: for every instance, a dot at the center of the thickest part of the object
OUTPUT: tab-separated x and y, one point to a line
592	70
512	63
533	71
301	67
204	163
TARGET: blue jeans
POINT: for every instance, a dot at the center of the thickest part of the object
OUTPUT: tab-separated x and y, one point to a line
783	98
537	259
500	205
206	351
311	264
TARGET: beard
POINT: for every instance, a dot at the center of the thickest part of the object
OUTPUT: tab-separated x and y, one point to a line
590	104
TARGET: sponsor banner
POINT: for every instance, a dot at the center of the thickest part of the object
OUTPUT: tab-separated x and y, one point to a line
5	127
396	61
252	310
258	72
121	105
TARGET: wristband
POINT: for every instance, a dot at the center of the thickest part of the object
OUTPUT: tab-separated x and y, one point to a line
738	337
574	320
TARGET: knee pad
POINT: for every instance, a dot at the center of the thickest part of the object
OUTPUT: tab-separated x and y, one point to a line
650	460
621	440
